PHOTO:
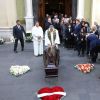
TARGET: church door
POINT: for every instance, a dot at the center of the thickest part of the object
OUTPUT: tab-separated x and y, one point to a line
59	6
41	12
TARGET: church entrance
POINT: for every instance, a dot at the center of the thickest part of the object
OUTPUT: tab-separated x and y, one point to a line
44	7
54	6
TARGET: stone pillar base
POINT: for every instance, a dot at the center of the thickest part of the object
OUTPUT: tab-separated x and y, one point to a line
6	34
29	24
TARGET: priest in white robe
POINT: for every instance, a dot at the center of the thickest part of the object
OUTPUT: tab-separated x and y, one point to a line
37	33
52	37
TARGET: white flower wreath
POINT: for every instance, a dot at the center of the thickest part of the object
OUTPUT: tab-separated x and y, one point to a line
19	70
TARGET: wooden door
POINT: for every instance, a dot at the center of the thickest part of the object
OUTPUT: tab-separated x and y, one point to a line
41	9
68	7
41	12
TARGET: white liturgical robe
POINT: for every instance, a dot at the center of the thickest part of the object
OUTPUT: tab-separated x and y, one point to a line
37	33
53	40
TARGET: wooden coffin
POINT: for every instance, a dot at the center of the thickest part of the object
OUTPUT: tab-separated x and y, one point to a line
51	71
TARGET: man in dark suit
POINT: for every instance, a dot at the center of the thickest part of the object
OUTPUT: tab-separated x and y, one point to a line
18	31
77	31
48	23
90	38
78	27
94	49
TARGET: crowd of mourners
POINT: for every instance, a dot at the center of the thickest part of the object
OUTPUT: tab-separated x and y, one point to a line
75	33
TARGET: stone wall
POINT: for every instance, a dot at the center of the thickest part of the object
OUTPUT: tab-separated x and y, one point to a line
7	19
20	6
7	13
6	34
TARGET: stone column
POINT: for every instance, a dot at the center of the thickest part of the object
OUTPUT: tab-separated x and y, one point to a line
29	15
95	15
80	9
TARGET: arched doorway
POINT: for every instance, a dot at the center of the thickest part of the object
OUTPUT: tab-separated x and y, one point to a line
68	7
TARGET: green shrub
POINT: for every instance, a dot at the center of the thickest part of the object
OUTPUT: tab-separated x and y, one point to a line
29	37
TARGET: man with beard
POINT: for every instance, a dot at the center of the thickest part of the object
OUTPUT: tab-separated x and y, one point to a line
18	31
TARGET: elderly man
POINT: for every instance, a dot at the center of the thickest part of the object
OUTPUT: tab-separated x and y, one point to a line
52	37
91	40
95	31
37	33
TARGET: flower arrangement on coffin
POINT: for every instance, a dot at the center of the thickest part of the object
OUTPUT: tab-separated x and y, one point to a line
54	93
85	68
19	70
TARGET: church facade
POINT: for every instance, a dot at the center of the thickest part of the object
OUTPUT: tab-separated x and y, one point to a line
30	10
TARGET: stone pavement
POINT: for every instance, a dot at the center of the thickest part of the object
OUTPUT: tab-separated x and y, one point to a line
77	85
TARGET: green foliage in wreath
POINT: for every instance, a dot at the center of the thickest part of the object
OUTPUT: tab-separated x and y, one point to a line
29	37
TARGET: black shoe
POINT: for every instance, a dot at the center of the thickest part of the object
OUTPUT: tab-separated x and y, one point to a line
82	55
22	49
40	54
75	49
93	60
15	51
78	54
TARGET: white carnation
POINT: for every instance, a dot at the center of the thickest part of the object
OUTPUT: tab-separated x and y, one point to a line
19	70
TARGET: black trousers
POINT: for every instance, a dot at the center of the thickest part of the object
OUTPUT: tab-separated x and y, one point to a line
81	50
94	53
16	43
81	47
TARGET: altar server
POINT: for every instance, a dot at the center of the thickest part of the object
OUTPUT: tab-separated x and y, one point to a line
37	33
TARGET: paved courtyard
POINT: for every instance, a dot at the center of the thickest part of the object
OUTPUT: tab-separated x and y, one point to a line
77	85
